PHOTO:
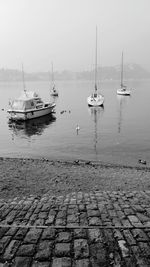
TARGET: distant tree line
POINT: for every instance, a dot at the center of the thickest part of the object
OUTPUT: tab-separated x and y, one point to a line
131	71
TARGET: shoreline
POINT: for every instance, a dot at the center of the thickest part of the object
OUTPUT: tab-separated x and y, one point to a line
36	176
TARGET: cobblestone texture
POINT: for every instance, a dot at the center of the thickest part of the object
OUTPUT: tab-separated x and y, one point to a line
79	229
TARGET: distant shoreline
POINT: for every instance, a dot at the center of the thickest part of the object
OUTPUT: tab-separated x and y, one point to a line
132	71
75	80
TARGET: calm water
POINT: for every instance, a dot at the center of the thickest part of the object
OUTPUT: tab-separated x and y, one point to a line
119	133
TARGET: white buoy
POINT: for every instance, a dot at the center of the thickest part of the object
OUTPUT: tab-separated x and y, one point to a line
77	128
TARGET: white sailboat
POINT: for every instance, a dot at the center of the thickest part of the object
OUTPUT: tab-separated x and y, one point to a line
95	99
28	106
54	92
123	88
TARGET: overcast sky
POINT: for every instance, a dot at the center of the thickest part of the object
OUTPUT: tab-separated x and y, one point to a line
37	32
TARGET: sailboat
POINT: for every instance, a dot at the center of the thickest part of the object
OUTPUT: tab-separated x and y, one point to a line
95	99
123	90
54	92
29	106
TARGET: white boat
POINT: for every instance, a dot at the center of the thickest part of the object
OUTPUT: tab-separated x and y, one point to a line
123	88
95	99
53	92
28	106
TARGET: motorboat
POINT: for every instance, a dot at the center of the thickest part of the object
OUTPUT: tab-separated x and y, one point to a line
123	88
29	106
95	99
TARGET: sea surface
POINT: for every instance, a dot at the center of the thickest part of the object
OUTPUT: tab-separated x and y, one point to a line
118	133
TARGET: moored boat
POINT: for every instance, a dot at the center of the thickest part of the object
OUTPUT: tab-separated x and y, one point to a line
123	88
95	99
28	106
54	91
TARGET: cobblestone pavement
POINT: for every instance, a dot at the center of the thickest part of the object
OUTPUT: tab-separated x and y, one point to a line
79	229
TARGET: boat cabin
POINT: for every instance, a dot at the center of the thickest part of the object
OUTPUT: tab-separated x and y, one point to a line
27	101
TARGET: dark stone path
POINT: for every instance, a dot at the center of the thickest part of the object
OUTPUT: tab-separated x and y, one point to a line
79	230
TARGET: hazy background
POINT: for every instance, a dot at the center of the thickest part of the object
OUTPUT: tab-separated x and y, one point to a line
37	32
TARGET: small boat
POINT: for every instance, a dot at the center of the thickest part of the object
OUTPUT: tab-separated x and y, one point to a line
53	92
29	106
95	99
123	90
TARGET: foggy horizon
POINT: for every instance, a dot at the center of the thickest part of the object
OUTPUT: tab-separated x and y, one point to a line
38	32
127	65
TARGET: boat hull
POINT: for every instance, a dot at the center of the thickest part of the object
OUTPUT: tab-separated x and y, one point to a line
123	92
95	101
54	94
17	115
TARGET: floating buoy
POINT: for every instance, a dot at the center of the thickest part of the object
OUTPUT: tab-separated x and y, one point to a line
77	128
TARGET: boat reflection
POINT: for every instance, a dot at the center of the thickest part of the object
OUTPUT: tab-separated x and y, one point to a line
31	127
96	112
122	101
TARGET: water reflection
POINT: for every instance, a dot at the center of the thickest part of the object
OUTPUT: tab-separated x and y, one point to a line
31	127
122	100
96	112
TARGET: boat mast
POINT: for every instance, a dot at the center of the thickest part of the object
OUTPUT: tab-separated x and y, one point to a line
53	86
24	87
96	63
122	71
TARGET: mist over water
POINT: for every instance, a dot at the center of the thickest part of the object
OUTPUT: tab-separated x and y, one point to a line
117	133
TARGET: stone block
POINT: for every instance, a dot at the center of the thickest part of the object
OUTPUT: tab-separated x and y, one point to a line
95	235
50	220
80	233
33	235
140	235
95	221
22	262
61	262
11	249
44	250
81	248
4	241
26	250
129	237
20	234
98	255
63	237
40	264
62	249
82	263
48	233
